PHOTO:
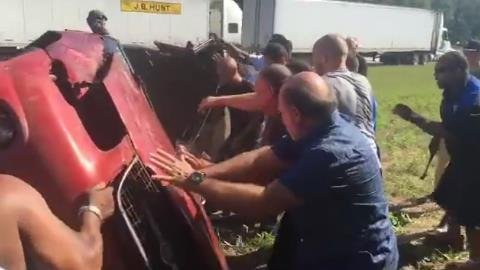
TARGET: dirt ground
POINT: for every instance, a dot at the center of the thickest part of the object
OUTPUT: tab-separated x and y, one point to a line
415	253
248	245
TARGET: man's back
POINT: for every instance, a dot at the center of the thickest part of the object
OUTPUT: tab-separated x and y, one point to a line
355	99
343	223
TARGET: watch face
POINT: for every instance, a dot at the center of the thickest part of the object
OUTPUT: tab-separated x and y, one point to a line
197	177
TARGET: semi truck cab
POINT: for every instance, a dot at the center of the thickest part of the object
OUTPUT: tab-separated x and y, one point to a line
444	44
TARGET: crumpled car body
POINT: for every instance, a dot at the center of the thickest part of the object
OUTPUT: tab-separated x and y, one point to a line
78	118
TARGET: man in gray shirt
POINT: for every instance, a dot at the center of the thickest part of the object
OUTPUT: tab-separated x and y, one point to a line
354	92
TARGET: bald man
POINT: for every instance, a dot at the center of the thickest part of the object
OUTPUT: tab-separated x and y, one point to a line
354	92
264	99
230	82
228	74
323	174
355	62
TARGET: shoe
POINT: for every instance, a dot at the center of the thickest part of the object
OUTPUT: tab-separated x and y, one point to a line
469	265
446	240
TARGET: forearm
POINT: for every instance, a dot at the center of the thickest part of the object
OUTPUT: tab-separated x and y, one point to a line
233	169
245	102
238	53
258	166
54	243
244	199
91	239
433	128
58	245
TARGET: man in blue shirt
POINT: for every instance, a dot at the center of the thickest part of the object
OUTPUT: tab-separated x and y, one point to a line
328	182
459	187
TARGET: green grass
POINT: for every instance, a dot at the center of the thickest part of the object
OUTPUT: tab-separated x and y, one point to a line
405	147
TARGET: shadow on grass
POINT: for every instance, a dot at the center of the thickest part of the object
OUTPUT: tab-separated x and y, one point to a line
252	261
410	203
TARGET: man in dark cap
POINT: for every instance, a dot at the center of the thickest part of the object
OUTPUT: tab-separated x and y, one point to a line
96	20
281	39
275	53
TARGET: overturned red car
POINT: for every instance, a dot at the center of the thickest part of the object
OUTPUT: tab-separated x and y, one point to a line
73	115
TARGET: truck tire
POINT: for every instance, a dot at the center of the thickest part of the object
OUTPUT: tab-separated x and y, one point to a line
415	59
423	59
393	59
383	59
409	58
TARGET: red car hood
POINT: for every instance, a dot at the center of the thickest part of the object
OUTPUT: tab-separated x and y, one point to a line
53	139
63	144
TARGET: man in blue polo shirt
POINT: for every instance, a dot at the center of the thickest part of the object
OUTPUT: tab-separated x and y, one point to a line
459	187
343	222
324	175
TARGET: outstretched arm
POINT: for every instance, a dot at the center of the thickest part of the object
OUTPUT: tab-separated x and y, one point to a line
238	53
259	166
433	128
247	199
246	102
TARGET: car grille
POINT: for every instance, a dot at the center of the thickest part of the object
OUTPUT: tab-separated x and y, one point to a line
134	191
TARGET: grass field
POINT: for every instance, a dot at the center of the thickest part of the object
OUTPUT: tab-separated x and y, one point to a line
404	147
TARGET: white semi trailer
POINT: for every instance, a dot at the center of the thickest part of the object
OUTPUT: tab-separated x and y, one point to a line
131	21
397	34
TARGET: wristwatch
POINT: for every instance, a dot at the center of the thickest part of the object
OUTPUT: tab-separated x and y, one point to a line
197	177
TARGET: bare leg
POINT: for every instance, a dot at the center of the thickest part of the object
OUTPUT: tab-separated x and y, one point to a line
473	237
454	230
451	238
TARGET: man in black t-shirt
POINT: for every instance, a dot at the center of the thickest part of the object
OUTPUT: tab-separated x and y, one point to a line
230	82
